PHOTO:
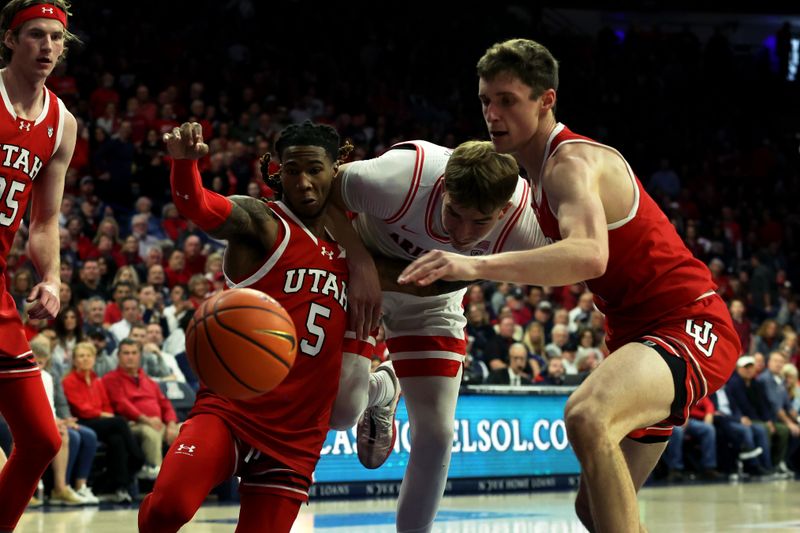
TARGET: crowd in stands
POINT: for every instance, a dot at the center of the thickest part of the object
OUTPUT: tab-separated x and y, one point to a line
133	270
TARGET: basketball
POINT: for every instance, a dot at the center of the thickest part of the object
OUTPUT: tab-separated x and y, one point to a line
241	343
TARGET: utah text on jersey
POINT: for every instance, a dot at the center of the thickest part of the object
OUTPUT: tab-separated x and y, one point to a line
20	159
316	281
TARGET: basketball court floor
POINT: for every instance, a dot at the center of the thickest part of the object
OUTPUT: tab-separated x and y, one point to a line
732	507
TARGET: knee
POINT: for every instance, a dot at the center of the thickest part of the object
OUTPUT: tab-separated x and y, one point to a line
584	421
433	436
344	416
51	443
164	511
89	438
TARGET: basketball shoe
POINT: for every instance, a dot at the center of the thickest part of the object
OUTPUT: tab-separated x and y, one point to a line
375	430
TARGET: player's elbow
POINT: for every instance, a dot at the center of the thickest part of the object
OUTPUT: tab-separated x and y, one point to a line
596	261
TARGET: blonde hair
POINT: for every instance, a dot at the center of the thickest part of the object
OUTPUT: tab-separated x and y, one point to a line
85	345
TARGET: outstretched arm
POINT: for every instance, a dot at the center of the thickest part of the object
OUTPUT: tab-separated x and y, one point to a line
234	218
48	190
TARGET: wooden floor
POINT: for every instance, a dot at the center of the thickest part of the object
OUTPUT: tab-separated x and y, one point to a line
763	506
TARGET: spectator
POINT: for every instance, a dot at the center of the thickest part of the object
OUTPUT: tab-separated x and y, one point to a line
475	370
544	315
199	288
105	358
88	400
521	312
78	443
496	354
157	277
144	206
700	427
534	339
751	441
785	418
69	331
665	182
581	315
193	255
120	291
171	222
741	323
65	294
560	336
768	337
139	399
139	224
89	284
554	375
21	285
130	315
789	374
180	305
479	328
176	270
159	364
751	399
514	375
127	274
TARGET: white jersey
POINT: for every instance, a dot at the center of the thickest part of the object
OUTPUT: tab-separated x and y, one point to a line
399	200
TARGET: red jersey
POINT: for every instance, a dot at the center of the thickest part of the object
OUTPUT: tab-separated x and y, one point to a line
650	271
25	149
308	276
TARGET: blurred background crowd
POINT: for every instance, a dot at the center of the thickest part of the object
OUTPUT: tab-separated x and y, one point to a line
708	120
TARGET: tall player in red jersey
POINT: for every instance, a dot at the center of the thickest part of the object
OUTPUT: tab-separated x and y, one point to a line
670	334
37	137
272	442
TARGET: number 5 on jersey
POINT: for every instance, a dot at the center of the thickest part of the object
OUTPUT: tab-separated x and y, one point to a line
316	313
9	206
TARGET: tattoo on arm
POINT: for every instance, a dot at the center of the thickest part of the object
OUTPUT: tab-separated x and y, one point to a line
245	220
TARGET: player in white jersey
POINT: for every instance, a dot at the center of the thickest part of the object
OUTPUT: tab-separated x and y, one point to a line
418	197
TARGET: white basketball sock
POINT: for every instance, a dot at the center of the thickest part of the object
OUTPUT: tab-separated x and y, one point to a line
381	389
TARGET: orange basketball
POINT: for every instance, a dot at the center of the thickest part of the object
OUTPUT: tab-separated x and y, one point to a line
241	343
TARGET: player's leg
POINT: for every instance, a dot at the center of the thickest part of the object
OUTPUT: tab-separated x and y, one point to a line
266	512
201	457
641	459
27	411
358	388
431	403
633	388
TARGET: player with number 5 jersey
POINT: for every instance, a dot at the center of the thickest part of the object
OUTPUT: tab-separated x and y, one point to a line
273	441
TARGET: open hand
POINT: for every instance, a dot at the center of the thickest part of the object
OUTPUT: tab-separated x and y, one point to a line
437	265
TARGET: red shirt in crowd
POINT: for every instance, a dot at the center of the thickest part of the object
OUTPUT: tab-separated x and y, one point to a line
702	408
86	400
133	397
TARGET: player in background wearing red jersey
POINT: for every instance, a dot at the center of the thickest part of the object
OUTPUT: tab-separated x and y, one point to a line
273	441
37	137
670	334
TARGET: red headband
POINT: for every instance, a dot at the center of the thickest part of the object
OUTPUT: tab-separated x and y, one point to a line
38	11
